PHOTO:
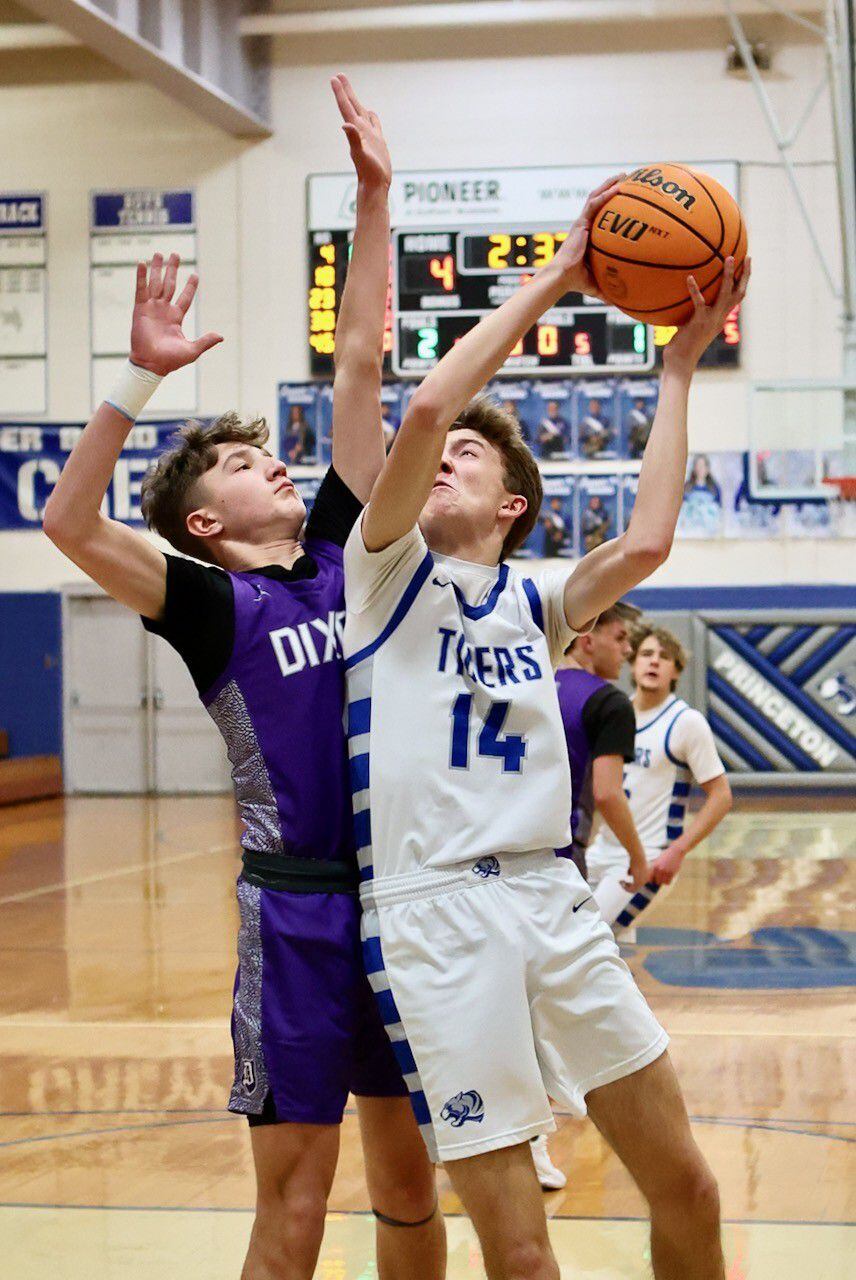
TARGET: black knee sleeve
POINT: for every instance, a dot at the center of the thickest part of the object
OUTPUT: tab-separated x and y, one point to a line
394	1222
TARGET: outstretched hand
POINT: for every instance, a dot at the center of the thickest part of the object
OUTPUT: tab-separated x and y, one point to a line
157	341
365	137
571	254
693	338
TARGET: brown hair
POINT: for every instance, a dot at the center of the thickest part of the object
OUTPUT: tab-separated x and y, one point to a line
669	643
168	488
520	473
621	611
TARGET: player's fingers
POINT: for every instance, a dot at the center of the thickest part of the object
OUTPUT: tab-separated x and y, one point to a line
141	291
169	277
352	97
156	276
696	294
610	182
355	139
597	200
205	343
343	102
187	294
743	283
374	121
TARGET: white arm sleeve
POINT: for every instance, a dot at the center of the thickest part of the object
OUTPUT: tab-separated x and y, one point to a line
692	742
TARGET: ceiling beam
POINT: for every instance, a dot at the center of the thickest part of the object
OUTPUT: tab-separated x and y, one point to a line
164	68
494	13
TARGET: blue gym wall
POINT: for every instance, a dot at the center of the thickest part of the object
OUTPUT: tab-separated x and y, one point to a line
31	667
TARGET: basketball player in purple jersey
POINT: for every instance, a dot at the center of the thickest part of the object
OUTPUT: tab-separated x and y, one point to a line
259	627
600	732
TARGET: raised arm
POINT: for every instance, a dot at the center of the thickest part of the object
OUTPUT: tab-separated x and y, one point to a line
411	468
358	444
119	559
611	570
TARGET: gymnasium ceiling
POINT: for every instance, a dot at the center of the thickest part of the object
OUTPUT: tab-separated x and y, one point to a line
214	56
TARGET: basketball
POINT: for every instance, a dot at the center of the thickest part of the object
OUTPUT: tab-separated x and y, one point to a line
665	223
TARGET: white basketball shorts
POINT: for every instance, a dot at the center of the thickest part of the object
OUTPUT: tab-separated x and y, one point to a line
500	984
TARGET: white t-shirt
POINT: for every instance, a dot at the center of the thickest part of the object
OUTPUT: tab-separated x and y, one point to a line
674	745
454	732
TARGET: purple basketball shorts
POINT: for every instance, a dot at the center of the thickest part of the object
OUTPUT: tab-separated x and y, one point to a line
305	1025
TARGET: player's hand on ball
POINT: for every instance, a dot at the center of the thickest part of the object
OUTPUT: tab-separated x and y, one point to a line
693	338
157	341
571	255
362	128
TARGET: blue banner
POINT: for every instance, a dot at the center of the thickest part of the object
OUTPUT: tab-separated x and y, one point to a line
21	213
32	457
142	210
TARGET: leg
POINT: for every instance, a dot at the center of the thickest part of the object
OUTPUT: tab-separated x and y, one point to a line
295	1164
411	1234
644	1120
500	1193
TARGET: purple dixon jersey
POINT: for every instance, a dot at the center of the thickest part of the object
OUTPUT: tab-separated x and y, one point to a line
598	720
264	649
278	705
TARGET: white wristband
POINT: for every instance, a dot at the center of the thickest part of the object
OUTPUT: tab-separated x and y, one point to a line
132	390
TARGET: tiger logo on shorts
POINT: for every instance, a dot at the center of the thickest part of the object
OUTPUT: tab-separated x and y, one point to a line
464	1106
487	867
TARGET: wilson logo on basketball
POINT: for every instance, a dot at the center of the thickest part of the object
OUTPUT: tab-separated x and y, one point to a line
656	178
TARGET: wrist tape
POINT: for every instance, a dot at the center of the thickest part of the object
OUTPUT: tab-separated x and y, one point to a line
132	390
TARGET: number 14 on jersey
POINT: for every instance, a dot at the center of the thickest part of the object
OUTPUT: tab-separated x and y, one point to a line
511	749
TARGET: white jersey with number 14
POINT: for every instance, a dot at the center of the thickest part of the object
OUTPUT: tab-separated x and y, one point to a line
456	743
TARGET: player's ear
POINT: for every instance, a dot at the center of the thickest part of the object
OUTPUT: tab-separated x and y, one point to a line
202	524
513	505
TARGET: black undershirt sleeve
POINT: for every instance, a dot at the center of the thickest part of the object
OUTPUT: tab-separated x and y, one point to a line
335	511
198	619
610	724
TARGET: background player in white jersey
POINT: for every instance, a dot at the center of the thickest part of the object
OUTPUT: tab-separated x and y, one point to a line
674	748
497	979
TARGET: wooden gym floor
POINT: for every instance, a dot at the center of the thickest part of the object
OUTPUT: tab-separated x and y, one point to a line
117	938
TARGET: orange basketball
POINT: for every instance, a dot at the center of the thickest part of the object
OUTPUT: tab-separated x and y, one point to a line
665	223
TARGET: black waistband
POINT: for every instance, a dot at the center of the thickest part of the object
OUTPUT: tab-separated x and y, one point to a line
299	875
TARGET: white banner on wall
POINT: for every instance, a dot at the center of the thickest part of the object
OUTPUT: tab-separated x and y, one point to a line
127	227
23	304
468	197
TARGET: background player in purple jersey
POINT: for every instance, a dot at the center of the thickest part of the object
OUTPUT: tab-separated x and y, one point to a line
259	628
600	730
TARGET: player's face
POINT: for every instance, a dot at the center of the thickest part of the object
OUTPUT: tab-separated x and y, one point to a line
249	495
610	648
468	494
653	669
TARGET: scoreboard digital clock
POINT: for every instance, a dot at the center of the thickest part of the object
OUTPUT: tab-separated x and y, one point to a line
461	245
445	281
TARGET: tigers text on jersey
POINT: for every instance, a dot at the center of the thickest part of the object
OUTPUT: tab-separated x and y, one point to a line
455	735
674	745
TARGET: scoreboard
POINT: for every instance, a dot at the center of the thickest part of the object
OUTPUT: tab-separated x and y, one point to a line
463	242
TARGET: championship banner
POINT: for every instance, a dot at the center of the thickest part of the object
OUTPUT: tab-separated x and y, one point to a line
781	692
32	457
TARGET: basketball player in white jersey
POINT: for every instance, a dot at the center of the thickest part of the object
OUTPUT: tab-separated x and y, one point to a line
497	979
674	748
